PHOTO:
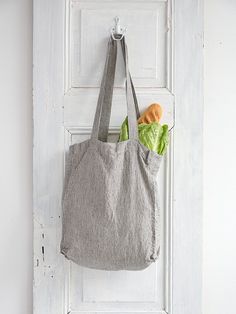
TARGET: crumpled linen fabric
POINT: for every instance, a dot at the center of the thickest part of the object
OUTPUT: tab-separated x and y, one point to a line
111	216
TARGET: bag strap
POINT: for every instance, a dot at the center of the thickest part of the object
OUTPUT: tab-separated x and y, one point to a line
106	88
103	111
132	85
106	109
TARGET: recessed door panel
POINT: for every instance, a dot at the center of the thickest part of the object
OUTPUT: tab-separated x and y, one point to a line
97	290
88	29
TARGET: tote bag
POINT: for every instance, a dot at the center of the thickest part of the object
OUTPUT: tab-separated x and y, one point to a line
110	208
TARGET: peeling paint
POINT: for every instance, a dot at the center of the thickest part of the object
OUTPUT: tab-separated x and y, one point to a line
43	252
38	222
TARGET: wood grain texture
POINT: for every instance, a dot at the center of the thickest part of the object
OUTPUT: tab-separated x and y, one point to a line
48	156
187	162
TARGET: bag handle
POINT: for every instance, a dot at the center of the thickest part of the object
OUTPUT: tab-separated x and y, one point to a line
132	85
103	111
106	89
106	109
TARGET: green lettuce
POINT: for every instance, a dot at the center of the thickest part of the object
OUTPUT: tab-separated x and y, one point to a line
153	135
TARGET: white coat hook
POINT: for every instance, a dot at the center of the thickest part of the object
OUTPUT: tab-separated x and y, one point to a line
117	32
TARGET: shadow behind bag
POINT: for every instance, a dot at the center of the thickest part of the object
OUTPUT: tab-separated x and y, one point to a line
110	209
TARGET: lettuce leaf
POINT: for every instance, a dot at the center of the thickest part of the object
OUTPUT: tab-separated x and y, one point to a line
153	135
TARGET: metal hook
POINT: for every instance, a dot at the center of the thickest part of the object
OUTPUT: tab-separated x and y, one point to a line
117	32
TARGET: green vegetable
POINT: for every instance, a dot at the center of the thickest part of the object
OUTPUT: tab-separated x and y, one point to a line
153	135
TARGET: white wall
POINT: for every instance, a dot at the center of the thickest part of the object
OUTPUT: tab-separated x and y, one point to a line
220	158
16	157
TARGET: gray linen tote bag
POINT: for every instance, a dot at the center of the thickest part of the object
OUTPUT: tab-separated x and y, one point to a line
110	208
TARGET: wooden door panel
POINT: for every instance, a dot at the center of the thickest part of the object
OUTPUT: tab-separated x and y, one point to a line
89	24
80	105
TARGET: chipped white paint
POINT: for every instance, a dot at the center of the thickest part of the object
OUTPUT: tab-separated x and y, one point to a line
66	34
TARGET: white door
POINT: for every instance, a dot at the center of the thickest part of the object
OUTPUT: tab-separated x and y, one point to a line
165	51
